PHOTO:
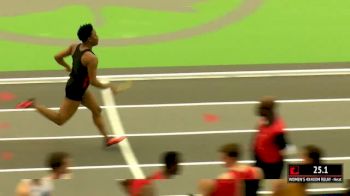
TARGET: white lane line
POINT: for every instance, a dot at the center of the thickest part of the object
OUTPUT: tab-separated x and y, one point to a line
326	189
194	104
118	130
304	129
313	190
191	133
193	75
207	163
318	128
50	138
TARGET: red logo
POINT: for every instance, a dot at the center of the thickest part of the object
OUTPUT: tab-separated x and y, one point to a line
294	170
86	82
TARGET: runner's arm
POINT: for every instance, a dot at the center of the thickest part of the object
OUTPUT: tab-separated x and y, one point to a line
61	55
91	62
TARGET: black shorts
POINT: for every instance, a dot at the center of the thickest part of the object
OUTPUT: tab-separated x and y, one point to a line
74	92
251	187
271	170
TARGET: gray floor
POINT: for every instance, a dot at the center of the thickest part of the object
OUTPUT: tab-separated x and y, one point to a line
194	148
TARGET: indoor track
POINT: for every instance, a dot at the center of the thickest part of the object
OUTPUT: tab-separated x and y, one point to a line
193	116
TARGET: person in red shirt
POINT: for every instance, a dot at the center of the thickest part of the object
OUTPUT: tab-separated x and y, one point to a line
270	141
237	180
142	187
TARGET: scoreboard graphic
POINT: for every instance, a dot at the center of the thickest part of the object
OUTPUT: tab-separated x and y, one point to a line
330	173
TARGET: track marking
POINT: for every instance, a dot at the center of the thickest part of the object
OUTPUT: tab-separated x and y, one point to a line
194	104
193	75
118	129
304	129
207	163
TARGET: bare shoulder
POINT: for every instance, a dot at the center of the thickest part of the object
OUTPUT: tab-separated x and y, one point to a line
224	176
66	52
89	58
259	172
73	47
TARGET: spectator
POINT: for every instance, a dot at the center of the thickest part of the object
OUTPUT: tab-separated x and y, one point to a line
143	187
58	162
311	156
232	181
270	141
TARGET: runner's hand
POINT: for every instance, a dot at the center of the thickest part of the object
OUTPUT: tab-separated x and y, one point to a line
114	89
121	87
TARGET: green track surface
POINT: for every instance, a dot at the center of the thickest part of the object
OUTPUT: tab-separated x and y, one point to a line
281	31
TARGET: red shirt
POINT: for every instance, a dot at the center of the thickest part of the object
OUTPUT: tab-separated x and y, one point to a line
232	186
159	175
136	186
265	147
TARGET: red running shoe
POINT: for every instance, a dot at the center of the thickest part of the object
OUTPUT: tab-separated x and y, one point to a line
25	104
114	140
